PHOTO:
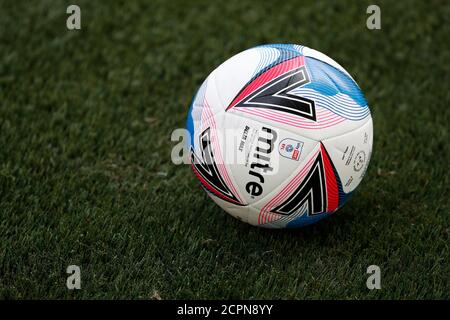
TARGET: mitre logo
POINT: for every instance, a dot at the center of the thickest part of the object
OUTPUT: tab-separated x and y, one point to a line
261	161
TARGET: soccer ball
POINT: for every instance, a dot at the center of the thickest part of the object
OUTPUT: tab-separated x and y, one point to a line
280	136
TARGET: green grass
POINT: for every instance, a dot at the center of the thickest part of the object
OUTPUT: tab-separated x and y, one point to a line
86	176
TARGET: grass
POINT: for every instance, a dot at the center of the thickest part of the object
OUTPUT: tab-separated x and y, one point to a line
86	176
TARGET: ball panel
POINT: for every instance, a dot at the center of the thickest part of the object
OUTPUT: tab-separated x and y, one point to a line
308	52
242	213
206	152
309	195
193	123
350	154
320	100
232	75
260	156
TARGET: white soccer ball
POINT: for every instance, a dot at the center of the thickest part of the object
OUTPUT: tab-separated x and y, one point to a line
280	135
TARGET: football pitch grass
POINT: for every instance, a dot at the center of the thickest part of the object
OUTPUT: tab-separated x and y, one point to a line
86	177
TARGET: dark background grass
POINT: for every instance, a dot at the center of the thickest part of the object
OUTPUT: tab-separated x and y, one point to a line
86	176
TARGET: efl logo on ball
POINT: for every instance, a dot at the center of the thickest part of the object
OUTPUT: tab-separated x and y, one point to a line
290	148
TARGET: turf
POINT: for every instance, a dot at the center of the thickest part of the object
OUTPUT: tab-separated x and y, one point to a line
85	171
